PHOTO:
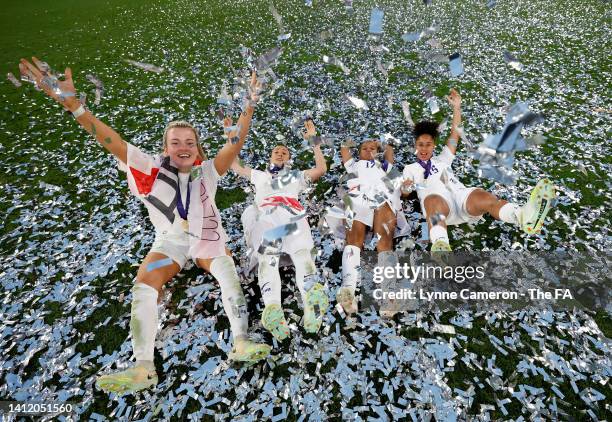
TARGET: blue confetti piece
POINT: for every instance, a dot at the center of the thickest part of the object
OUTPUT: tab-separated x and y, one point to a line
158	264
376	22
455	64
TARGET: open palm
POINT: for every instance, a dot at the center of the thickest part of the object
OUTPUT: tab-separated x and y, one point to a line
40	73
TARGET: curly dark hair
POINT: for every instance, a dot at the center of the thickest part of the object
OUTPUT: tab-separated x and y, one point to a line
426	127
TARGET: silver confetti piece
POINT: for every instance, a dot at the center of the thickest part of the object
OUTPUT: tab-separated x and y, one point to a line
224	98
145	66
432	103
13	79
512	61
376	21
406	112
455	64
268	59
434	43
437	219
358	103
336	62
99	87
412	36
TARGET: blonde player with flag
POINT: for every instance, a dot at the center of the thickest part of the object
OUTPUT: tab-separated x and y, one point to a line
178	189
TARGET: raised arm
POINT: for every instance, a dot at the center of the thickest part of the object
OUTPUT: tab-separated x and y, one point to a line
226	156
345	150
240	170
64	93
389	154
320	165
454	99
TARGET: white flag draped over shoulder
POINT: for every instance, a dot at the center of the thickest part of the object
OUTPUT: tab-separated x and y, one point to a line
154	180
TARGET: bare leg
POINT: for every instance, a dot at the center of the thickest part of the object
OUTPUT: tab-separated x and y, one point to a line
143	327
480	202
384	226
435	204
356	235
146	295
159	276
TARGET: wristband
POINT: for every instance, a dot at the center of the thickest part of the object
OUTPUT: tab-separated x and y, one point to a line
79	112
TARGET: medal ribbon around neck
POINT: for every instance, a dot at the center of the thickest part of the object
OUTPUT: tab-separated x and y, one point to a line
179	204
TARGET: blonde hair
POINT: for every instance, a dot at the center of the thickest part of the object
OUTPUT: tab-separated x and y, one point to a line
187	125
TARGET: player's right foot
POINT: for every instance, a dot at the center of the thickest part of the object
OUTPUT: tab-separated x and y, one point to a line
273	320
440	245
128	381
249	351
346	298
531	215
315	308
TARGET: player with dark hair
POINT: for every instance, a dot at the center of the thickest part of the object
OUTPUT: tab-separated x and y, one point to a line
446	201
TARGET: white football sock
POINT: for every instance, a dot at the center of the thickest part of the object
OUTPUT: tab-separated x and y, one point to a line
305	269
509	213
351	258
269	279
438	232
143	323
234	302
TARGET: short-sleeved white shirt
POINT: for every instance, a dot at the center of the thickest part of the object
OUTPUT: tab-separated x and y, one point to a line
155	181
440	179
286	184
369	181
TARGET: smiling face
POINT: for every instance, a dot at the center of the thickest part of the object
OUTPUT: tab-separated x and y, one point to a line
280	155
182	147
368	150
425	145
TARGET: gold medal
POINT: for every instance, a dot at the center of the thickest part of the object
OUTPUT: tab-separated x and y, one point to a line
185	224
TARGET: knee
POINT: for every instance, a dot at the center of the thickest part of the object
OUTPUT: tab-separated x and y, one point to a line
153	279
385	243
482	200
355	237
434	203
144	289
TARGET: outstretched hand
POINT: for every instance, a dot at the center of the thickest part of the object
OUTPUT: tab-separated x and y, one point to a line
255	87
454	99
309	129
40	73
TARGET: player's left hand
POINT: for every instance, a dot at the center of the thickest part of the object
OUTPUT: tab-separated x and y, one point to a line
309	129
454	99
